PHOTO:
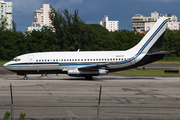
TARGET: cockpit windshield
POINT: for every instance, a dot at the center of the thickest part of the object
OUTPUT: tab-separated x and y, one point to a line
16	59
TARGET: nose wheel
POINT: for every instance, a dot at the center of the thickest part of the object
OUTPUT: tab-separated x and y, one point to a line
25	77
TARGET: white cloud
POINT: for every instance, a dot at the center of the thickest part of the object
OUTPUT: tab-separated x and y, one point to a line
165	1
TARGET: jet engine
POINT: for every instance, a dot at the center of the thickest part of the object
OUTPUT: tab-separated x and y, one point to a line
84	72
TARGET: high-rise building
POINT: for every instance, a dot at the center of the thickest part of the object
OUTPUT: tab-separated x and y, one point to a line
138	21
41	18
6	13
110	25
142	24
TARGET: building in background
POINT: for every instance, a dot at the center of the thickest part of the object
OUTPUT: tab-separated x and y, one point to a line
41	18
6	13
110	25
142	24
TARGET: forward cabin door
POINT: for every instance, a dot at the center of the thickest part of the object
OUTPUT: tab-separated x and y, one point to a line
30	60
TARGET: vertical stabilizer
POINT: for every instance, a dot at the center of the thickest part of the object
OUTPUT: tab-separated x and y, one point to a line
152	41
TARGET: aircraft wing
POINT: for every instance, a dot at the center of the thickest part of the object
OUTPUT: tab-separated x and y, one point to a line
95	66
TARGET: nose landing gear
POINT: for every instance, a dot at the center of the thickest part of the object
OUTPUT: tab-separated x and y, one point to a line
25	77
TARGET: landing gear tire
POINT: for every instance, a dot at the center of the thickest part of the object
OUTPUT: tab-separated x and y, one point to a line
88	77
25	77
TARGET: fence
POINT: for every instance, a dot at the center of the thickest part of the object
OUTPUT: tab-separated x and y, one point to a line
68	112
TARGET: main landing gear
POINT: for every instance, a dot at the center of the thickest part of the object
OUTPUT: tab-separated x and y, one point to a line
88	77
25	77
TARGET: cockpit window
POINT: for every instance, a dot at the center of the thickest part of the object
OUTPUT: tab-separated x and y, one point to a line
16	59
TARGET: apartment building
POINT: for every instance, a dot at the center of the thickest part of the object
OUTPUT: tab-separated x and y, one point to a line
138	21
6	13
41	18
110	25
142	24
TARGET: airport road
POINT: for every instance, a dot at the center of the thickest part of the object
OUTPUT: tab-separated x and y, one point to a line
116	90
161	66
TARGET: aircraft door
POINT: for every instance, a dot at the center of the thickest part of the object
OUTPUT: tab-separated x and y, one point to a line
31	60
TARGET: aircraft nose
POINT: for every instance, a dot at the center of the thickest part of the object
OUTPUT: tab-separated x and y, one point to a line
5	65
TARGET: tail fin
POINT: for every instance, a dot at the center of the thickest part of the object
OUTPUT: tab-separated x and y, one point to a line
152	41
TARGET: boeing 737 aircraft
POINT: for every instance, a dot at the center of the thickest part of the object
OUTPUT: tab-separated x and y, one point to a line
92	63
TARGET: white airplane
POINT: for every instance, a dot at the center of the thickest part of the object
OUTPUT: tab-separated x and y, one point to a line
92	63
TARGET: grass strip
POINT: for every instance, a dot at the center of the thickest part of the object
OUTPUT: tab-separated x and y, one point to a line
3	62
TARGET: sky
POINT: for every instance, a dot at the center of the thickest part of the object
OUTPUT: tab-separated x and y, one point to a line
93	11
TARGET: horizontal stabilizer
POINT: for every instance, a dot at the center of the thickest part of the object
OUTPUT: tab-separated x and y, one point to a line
160	52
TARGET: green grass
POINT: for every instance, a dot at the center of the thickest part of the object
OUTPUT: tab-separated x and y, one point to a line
171	59
148	72
3	62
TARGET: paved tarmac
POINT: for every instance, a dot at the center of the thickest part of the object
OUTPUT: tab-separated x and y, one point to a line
116	90
52	90
64	90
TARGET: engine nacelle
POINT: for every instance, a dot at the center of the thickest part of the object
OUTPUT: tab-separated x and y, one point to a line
76	72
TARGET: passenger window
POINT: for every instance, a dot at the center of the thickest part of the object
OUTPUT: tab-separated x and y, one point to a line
75	59
42	60
72	59
39	60
53	59
36	60
56	59
81	59
64	59
93	59
96	59
78	59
